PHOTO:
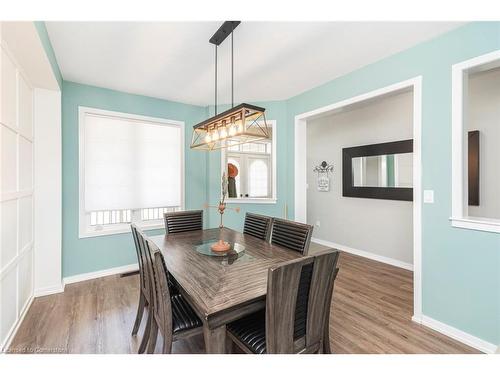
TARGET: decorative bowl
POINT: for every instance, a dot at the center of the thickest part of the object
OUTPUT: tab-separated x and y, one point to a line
220	246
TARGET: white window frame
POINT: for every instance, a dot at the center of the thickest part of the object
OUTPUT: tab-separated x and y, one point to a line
273	199
459	215
85	229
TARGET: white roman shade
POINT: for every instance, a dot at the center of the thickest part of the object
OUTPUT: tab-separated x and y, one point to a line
130	163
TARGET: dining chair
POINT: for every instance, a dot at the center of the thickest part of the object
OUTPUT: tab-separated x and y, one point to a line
183	221
291	235
172	314
258	226
295	320
145	292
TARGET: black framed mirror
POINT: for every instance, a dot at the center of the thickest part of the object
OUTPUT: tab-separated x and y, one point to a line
378	171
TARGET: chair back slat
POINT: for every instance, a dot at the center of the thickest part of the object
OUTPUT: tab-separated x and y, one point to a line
258	226
291	235
139	256
162	306
145	260
298	298
183	221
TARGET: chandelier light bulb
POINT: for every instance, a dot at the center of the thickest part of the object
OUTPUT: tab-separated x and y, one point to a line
208	138
223	133
240	128
232	130
215	135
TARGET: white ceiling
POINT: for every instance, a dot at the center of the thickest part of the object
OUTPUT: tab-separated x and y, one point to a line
273	60
24	43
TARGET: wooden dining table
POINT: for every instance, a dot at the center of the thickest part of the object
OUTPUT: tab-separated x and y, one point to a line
221	289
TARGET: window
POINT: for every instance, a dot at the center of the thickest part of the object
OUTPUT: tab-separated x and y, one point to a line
254	166
131	170
258	176
476	143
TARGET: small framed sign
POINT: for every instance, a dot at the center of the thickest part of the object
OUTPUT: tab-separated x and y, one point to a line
323	180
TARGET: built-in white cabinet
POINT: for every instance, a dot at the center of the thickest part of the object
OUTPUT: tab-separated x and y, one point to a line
16	194
30	156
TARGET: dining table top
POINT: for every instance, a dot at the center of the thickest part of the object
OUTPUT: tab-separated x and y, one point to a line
214	284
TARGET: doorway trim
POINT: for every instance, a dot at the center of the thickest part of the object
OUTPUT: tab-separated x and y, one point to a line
300	168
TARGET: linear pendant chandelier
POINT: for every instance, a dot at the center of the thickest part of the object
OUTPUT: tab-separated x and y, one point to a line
244	123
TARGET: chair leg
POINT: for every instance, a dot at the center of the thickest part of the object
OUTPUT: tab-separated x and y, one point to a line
167	344
326	339
147	331
140	312
321	348
153	336
229	345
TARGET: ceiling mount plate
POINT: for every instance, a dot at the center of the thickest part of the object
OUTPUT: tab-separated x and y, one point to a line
223	32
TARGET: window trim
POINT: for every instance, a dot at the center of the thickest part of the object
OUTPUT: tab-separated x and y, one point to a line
84	229
274	194
459	215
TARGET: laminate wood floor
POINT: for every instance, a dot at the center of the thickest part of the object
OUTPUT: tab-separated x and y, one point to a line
371	313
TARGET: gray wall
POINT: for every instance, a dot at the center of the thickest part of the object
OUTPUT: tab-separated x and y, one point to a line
484	115
381	227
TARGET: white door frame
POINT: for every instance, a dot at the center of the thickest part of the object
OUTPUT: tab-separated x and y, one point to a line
301	170
459	147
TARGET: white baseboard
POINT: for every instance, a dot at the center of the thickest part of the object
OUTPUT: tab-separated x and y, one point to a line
40	292
102	273
454	333
365	254
13	331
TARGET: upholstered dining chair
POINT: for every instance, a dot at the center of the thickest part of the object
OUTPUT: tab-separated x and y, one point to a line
183	221
145	296
291	235
258	226
295	320
172	314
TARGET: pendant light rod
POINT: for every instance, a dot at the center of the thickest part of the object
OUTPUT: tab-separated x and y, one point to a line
216	79
220	35
232	69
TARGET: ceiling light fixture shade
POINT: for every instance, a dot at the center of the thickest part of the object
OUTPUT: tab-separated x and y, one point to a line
244	123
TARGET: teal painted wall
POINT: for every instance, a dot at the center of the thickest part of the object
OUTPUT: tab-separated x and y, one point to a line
44	38
461	268
98	253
